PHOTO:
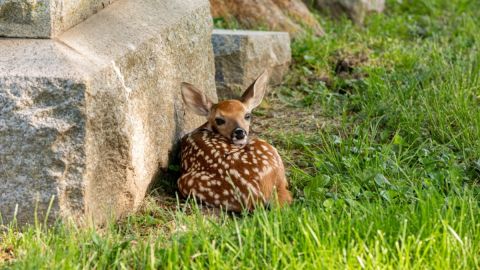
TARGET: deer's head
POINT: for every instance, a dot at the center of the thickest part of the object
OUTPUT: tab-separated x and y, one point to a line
229	118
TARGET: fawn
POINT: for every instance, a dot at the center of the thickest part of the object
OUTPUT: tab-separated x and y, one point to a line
220	164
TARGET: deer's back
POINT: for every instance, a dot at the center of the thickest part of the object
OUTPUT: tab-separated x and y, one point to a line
223	174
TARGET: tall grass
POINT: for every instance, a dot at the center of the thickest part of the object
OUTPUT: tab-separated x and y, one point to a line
393	184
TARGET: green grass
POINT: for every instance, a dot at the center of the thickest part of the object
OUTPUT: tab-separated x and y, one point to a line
391	181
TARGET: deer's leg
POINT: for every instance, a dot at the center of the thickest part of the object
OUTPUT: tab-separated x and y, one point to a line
283	195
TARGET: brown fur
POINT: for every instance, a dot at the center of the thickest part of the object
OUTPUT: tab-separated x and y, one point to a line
223	171
212	165
233	112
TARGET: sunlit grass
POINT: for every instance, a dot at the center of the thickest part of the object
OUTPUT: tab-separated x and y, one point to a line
391	181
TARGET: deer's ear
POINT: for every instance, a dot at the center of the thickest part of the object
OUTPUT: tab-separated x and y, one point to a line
252	97
195	100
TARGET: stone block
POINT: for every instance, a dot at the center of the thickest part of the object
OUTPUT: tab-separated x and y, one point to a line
355	10
90	117
291	16
241	56
44	18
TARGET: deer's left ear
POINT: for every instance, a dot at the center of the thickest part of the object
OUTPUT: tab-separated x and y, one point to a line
252	97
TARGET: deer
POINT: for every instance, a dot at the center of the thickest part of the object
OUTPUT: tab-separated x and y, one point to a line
222	165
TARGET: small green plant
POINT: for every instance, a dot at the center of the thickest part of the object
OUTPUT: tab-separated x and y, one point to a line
226	23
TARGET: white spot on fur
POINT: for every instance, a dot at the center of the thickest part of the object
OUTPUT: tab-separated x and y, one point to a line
234	173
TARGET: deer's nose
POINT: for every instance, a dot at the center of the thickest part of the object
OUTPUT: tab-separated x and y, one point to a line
239	133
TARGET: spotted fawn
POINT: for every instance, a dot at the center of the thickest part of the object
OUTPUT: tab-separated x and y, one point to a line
221	165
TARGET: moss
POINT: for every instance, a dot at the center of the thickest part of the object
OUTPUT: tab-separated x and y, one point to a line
16	12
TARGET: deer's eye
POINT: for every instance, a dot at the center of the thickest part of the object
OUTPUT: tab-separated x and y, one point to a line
219	121
248	117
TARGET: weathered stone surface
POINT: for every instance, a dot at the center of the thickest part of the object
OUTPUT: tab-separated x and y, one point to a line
91	116
278	15
44	18
241	56
356	10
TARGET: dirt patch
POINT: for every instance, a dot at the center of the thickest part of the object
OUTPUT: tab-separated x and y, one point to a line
276	117
346	62
347	68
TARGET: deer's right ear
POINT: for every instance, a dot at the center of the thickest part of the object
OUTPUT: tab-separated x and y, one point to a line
195	100
252	97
